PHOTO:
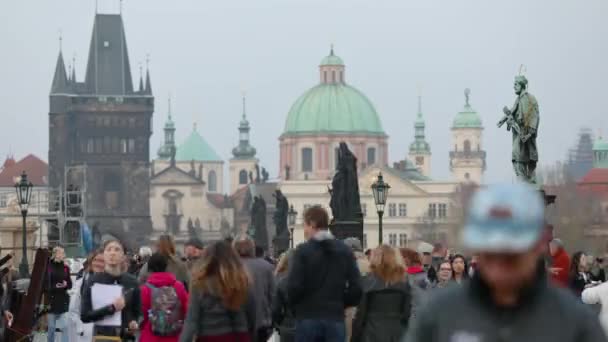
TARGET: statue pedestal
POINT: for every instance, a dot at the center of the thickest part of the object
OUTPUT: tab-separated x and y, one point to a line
345	229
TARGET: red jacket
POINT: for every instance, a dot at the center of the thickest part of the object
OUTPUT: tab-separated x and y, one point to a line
160	279
561	260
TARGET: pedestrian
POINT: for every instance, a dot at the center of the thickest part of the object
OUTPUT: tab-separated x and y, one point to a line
193	250
324	279
262	275
444	276
221	306
598	295
459	269
560	263
509	298
139	260
384	311
416	277
578	278
363	264
79	331
127	305
166	247
164	303
473	265
282	314
59	281
597	272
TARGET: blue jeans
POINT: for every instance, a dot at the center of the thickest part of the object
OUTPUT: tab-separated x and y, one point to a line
57	321
315	330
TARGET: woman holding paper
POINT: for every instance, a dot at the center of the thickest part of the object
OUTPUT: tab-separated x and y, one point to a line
111	299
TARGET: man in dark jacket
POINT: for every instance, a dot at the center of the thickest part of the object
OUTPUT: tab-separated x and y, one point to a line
322	282
509	298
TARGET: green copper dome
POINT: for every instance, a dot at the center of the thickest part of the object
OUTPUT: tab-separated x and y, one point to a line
333	108
332	60
600	145
468	117
196	148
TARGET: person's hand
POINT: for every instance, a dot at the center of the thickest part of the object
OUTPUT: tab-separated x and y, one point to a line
133	326
8	316
119	303
555	270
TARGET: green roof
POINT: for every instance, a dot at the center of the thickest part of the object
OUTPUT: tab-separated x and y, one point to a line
333	108
600	145
467	118
196	148
332	60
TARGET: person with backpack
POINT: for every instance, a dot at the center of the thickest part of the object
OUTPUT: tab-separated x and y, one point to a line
59	281
164	303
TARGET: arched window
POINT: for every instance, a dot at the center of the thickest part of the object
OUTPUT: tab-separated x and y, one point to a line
307	159
371	155
325	76
333	76
243	177
212	181
467	146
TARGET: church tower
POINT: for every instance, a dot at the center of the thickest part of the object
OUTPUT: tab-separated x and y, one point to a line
467	159
99	134
166	150
420	149
244	159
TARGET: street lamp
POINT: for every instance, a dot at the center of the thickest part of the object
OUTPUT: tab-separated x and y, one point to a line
380	190
24	194
292	215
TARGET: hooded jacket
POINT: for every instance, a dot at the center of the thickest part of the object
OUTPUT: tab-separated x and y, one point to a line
468	313
323	279
160	279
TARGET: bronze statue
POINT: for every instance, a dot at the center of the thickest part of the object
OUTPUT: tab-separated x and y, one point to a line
258	222
345	203
523	120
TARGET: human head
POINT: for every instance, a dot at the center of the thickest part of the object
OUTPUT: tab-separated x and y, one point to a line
113	253
445	271
555	246
58	254
145	253
284	261
157	263
459	266
245	247
504	228
95	261
166	245
521	84
193	248
387	264
221	266
578	263
315	219
410	257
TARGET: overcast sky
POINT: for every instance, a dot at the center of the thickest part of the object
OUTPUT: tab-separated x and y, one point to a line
204	52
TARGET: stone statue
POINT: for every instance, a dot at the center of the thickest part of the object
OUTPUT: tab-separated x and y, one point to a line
265	176
345	203
523	120
250	177
258	222
257	174
280	214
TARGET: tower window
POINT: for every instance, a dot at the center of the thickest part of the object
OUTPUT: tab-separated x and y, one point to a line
242	177
325	76
307	159
371	156
212	181
467	146
333	76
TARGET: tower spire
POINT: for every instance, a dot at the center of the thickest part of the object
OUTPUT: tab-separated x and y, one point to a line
141	78
244	95
148	82
60	79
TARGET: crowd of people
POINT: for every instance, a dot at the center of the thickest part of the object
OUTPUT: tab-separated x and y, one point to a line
517	284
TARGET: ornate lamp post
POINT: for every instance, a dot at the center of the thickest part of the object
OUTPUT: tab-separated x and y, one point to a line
23	188
291	215
380	190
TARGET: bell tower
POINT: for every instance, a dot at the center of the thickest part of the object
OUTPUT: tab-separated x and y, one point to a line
420	149
243	160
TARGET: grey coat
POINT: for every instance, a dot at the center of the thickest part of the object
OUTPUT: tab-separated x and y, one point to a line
261	274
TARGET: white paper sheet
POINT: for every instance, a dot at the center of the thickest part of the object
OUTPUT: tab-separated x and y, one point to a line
104	295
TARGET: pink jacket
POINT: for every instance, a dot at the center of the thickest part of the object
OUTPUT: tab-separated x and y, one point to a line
160	279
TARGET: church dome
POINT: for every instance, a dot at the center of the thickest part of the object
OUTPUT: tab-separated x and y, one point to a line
600	145
196	148
467	117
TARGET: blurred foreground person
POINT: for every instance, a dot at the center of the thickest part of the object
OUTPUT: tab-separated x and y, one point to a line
363	264
598	295
509	298
384	311
222	304
560	263
78	331
193	250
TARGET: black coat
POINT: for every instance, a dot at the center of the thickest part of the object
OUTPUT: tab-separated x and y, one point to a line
59	299
384	311
577	283
282	314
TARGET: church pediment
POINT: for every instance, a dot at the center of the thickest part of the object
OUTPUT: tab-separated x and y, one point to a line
399	185
173	175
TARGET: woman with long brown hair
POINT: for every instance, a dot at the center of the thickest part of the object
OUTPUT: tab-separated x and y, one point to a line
166	246
221	306
385	309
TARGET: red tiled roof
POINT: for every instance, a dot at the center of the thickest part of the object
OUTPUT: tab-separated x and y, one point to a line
10	161
595	176
36	169
218	200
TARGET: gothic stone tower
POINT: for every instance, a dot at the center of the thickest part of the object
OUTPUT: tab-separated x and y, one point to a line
104	125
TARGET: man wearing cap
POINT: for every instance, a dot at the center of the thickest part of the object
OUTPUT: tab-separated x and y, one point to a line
509	298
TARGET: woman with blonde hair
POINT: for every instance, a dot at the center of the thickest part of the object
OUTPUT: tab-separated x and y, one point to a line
221	306
59	281
282	314
166	246
384	311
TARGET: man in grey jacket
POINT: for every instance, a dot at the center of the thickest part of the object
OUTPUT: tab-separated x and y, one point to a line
262	276
509	298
